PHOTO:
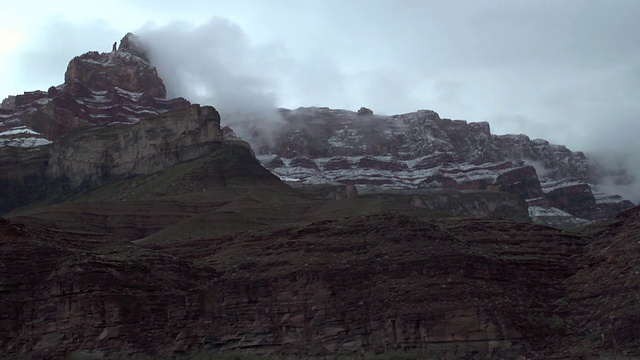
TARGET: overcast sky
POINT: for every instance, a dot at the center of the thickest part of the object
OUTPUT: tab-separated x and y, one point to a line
564	70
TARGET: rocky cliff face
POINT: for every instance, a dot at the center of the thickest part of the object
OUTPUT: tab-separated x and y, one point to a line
317	145
127	68
99	88
152	144
89	156
420	150
139	130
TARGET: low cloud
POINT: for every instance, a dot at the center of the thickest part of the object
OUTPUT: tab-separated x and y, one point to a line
541	170
216	64
617	172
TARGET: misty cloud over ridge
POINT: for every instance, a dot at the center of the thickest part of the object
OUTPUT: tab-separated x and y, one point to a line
216	64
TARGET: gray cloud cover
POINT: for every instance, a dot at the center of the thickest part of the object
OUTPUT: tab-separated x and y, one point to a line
216	64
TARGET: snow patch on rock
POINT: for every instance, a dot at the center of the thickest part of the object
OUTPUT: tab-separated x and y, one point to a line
29	142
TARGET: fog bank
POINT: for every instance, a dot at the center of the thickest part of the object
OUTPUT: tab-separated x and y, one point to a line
216	64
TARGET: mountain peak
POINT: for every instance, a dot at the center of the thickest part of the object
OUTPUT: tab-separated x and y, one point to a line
128	68
131	43
100	88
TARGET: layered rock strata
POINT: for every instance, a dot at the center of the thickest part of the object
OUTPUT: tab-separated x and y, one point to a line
89	156
445	288
100	88
421	150
376	283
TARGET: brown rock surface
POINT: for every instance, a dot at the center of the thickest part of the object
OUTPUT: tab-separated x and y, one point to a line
92	155
576	199
373	283
128	68
88	292
605	289
421	150
99	88
103	296
216	254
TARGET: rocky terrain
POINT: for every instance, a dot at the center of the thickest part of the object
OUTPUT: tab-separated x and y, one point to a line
40	153
85	159
99	88
417	150
158	233
420	150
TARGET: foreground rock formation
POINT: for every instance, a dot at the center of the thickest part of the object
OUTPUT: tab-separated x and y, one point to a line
99	89
223	270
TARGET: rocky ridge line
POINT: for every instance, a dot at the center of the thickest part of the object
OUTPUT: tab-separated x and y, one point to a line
100	88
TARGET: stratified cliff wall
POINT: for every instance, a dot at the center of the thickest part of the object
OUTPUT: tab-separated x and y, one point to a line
88	156
152	144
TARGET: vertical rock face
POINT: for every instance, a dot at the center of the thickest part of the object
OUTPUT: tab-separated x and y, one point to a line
99	88
90	155
127	68
420	150
150	145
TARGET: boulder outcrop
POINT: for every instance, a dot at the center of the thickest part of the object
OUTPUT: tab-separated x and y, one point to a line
363	111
